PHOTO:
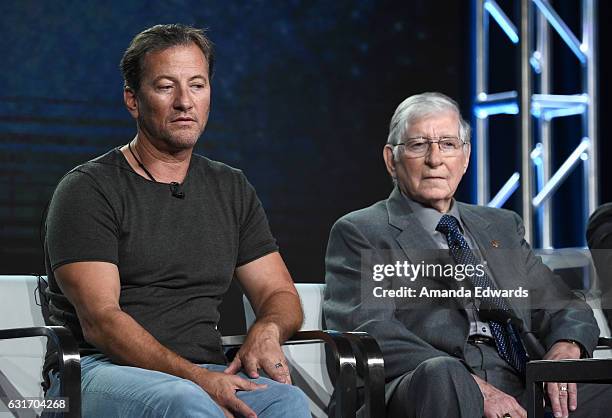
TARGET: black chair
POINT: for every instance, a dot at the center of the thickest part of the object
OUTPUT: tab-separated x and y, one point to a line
68	358
368	364
575	371
23	306
599	236
346	363
314	369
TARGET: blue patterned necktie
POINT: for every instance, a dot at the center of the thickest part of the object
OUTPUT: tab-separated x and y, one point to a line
505	335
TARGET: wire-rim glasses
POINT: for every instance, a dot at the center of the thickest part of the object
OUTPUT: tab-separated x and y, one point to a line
419	146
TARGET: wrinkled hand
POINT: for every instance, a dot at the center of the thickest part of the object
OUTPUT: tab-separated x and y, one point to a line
222	389
261	350
562	401
498	403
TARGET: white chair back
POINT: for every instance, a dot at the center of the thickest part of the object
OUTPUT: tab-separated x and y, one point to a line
307	362
20	359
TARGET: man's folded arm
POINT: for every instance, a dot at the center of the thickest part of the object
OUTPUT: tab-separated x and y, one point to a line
345	310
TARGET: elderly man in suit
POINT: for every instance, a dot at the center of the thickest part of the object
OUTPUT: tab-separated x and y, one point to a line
452	357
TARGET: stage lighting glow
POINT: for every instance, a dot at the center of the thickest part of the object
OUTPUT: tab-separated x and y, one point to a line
505	192
563	171
562	29
502	20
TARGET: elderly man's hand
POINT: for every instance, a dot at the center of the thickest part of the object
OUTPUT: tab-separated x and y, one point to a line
563	396
261	350
497	403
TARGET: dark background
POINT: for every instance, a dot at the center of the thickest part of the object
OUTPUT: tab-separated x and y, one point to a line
302	96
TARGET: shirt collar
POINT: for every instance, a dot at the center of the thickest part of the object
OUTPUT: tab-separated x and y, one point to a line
430	217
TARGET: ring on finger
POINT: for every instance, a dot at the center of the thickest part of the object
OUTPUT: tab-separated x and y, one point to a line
563	388
507	415
278	365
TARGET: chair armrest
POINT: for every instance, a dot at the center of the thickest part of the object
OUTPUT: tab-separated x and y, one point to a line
344	358
371	367
575	371
604	343
68	358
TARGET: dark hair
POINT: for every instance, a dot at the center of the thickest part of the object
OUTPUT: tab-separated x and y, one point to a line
158	38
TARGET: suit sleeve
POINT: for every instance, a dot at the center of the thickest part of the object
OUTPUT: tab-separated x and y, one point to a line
558	313
345	310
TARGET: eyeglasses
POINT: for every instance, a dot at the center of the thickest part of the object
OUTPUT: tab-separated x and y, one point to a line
419	146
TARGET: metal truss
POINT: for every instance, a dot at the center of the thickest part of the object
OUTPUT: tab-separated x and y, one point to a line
535	177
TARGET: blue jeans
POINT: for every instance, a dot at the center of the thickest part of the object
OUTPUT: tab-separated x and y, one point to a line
110	390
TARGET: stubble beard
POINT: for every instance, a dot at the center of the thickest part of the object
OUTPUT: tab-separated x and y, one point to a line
173	140
181	139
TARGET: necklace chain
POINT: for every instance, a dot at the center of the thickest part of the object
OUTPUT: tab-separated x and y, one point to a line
140	164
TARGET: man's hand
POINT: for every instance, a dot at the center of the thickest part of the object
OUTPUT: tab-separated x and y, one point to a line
261	350
222	389
563	396
276	303
497	403
120	337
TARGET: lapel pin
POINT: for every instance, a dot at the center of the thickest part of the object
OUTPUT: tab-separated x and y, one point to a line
495	243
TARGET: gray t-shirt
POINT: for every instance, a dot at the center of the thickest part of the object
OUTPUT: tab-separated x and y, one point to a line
176	257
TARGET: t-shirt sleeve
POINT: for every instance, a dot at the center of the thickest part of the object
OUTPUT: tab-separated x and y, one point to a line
256	239
81	224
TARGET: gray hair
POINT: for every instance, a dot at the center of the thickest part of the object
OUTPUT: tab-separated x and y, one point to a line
158	38
418	106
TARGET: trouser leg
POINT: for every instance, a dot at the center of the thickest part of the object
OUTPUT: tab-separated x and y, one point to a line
278	400
438	387
489	366
110	390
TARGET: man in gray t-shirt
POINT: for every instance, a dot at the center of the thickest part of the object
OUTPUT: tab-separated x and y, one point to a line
142	244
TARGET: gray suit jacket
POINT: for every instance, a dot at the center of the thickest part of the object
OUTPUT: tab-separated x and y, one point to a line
409	336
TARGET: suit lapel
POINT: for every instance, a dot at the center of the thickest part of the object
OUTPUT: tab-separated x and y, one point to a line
416	243
412	237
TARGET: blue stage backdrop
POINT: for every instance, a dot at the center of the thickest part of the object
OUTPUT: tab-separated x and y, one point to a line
302	95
